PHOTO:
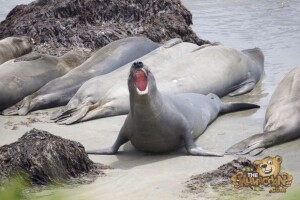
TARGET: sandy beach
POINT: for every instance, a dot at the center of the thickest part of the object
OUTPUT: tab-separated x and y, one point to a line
138	175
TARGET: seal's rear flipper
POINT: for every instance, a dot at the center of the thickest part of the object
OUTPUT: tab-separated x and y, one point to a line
232	107
13	110
21	108
255	54
243	89
74	116
256	143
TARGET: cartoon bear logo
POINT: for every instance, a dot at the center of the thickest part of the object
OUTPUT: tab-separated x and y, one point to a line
268	166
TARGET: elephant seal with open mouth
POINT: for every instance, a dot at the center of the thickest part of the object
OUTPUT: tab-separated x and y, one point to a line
159	123
13	47
212	69
282	123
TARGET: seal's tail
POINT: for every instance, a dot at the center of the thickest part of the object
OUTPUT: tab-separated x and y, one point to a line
232	107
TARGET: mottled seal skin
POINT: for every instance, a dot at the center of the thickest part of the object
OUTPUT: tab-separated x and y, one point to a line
159	123
211	69
25	75
13	47
282	121
59	91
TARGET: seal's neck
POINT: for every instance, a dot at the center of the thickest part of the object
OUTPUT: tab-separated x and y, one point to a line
146	106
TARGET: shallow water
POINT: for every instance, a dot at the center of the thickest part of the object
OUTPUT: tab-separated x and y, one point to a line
8	5
272	25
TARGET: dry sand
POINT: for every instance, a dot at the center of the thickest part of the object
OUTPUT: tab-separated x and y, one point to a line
138	175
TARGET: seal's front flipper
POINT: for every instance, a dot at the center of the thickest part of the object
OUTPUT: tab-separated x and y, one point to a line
106	151
243	89
255	142
112	150
198	151
194	150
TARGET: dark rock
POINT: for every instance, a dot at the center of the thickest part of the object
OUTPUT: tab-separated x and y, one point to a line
218	178
45	158
91	24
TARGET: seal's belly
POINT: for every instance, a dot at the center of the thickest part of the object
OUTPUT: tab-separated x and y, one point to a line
157	144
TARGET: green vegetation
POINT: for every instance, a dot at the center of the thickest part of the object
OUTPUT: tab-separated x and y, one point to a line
18	187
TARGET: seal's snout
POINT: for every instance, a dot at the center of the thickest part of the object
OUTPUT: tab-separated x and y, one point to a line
138	65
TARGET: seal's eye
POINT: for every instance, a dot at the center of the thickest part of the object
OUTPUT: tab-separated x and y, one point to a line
270	162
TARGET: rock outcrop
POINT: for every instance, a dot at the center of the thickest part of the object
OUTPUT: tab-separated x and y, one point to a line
60	25
46	158
217	180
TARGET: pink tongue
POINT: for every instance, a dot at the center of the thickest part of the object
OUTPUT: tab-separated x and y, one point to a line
140	80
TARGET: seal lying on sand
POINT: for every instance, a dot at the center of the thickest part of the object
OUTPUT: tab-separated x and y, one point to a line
213	69
59	91
282	123
25	75
159	123
13	47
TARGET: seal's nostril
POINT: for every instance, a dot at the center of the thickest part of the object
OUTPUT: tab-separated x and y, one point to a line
138	65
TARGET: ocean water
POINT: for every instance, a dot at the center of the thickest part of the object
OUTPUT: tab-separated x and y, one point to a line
8	5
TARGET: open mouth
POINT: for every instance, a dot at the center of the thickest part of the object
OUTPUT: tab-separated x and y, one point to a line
268	171
141	81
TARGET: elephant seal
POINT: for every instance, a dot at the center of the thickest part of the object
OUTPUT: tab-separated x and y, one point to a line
13	47
25	75
59	91
212	69
282	122
159	123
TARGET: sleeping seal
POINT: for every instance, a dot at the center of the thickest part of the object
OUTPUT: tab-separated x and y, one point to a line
282	121
59	91
212	69
13	47
25	75
159	123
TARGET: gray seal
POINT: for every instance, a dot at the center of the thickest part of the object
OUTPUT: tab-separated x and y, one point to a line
282	122
24	75
13	47
159	123
212	69
109	58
